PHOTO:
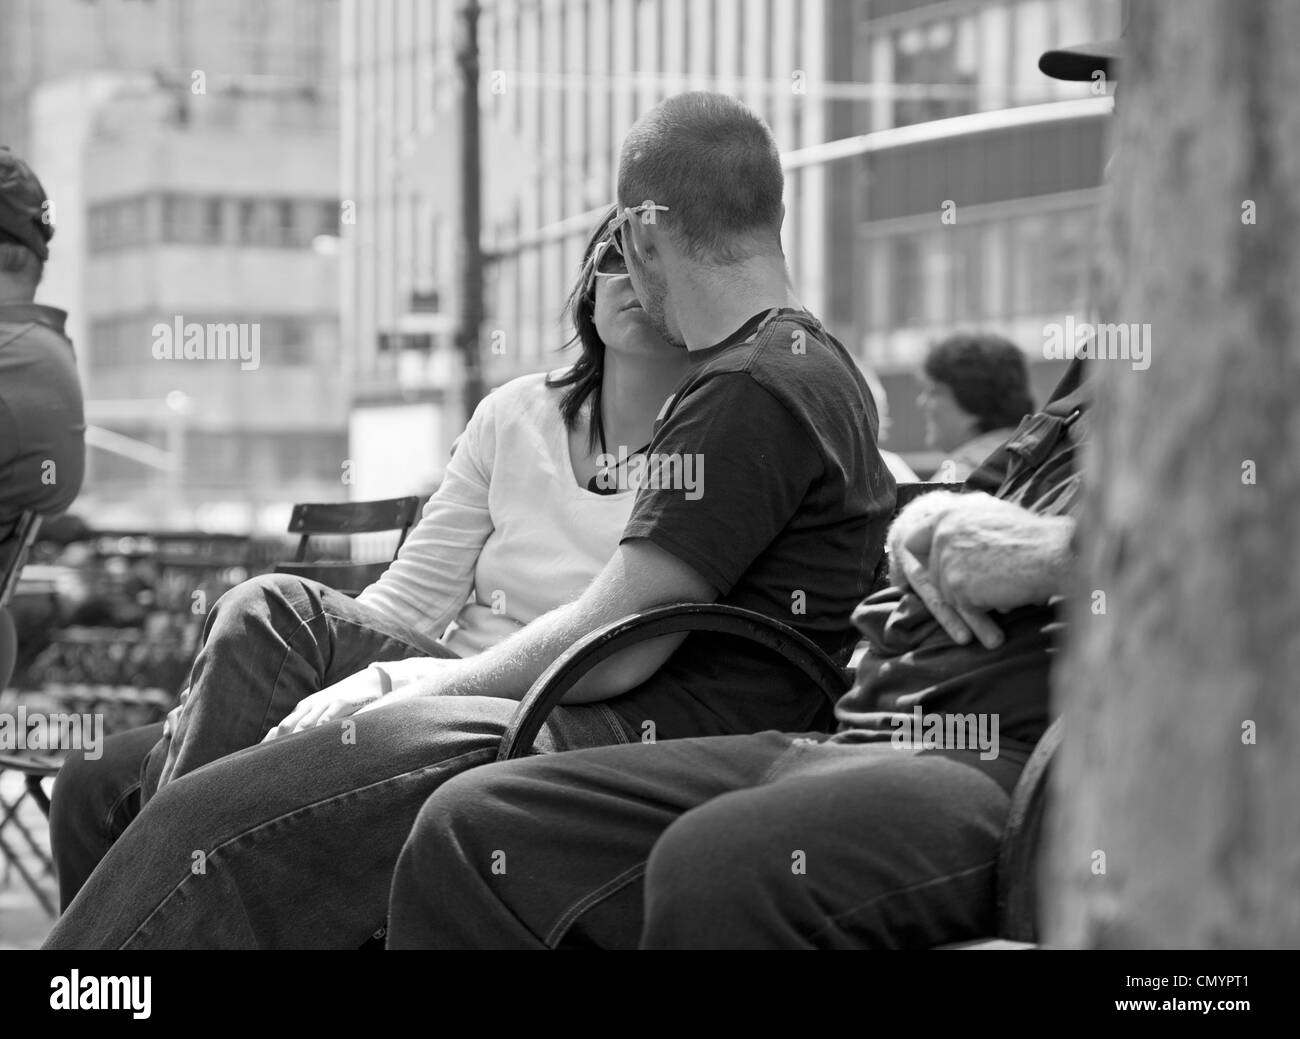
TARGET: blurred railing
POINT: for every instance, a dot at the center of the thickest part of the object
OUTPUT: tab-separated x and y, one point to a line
110	624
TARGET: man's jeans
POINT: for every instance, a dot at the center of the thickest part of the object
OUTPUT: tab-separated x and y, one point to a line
267	643
763	841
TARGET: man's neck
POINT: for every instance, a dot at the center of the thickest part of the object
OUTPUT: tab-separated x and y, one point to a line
714	302
12	292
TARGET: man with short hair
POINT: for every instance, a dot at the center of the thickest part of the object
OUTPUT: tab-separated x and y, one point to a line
883	835
42	425
785	515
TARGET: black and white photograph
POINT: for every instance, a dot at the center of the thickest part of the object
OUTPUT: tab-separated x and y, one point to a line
650	475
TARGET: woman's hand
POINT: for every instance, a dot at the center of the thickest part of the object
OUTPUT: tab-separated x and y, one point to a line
364	689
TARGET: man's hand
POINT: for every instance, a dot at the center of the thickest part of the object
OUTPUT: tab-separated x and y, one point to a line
967	554
353	694
991	555
909	556
915	525
958	620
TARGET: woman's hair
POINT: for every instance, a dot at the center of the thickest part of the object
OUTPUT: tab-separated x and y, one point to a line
987	375
584	378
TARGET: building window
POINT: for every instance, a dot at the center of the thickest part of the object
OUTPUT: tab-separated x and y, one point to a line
907	281
965	262
942	55
285	341
397	342
118	224
259	222
191	220
1048	260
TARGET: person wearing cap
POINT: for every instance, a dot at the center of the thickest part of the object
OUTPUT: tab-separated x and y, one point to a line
868	838
42	421
974	392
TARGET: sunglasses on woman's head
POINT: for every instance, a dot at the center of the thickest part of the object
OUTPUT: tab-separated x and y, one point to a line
607	257
604	262
609	261
616	225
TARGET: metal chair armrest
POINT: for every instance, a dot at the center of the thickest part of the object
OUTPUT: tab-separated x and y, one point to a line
1018	857
550	688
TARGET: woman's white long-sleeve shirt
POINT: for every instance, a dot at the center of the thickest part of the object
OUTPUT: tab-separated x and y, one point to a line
509	524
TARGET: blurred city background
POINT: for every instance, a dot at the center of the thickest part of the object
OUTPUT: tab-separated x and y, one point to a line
300	165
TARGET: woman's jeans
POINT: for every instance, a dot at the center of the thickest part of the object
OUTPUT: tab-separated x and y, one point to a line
288	844
267	643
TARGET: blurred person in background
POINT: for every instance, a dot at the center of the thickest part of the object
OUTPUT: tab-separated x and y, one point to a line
898	469
974	392
42	425
529	511
42	422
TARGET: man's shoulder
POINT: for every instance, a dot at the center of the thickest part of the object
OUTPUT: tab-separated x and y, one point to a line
805	367
795	363
24	315
34	323
791	356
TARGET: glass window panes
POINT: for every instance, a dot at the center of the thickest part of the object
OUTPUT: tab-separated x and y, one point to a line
938	61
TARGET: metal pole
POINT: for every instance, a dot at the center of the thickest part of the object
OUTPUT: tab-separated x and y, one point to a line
469	319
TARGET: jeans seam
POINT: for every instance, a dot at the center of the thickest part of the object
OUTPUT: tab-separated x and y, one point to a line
614	723
920	886
779	762
303	622
117	803
488	753
369	627
586	902
288	639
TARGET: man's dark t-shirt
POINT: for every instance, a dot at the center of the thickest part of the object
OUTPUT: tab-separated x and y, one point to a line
911	662
788	520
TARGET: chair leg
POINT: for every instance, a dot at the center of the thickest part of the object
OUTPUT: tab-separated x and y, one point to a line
11	817
32	882
37	790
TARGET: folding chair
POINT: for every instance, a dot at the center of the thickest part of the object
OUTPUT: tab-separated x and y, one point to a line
346	518
35	765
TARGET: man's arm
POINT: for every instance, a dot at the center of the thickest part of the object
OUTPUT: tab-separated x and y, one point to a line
638	577
677	547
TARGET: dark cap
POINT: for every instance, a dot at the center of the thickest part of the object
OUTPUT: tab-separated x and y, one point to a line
22	206
1081	61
